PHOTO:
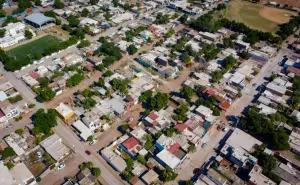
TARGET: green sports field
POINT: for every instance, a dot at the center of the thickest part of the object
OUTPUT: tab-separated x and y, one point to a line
36	46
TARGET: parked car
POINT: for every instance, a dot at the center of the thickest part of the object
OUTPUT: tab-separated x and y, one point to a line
61	166
88	152
93	142
39	154
225	129
203	145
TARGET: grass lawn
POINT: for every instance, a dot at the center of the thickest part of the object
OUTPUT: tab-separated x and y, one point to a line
250	14
297	157
36	46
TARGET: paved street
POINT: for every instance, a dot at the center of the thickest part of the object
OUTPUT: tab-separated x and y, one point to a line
249	92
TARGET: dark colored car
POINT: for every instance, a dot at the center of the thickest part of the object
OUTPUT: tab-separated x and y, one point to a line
88	152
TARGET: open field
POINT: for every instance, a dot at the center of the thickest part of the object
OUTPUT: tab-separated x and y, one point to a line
294	3
257	16
36	46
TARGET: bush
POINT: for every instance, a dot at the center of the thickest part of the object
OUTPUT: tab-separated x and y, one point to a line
31	105
38	179
19	131
15	99
9	165
7	152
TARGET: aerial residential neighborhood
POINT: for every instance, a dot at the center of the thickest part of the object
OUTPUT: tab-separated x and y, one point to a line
151	92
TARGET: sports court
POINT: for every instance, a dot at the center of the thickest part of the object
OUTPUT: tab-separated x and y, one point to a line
36	46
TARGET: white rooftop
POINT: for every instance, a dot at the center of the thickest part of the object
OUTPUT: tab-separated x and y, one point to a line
85	132
63	109
21	173
241	139
5	176
168	158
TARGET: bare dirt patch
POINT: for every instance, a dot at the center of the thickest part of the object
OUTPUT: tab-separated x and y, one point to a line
279	16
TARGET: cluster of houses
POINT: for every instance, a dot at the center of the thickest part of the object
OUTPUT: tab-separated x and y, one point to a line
235	154
30	161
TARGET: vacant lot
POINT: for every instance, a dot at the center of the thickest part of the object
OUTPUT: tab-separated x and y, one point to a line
257	16
36	46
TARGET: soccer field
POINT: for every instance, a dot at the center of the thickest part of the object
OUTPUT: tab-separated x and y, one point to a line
36	46
257	16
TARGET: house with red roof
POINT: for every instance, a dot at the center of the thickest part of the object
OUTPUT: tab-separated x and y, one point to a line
158	120
131	146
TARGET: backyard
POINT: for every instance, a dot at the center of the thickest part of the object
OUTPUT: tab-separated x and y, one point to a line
257	16
35	47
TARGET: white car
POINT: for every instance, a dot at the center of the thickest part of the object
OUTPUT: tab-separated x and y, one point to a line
225	129
93	142
61	166
39	154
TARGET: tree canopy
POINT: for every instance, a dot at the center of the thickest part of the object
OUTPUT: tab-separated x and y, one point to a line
44	121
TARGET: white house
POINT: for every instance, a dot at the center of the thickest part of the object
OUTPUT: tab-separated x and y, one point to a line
13	35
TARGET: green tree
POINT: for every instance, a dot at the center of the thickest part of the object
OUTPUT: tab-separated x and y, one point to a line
19	131
86	29
28	34
85	12
73	21
141	159
184	18
145	96
2	33
88	103
79	33
7	152
181	112
192	148
94	2
244	55
216	111
9	165
185	58
2	12
115	3
96	172
44	82
189	182
74	80
37	2
45	94
129	163
159	101
45	121
37	56
132	49
58	4
228	62
84	43
167	175
187	92
90	138
101	82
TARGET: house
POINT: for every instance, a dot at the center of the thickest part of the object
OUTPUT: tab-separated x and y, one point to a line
203	111
114	159
276	89
55	147
239	146
64	112
17	143
167	158
257	178
84	131
258	55
209	36
240	45
113	105
6	177
88	22
31	82
22	175
157	120
14	33
95	60
264	109
293	70
287	173
237	79
91	120
150	177
131	147
294	141
85	177
72	58
138	133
